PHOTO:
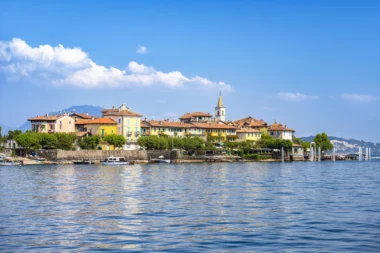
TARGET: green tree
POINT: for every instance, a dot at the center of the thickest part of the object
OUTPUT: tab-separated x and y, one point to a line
49	141
117	140
13	134
65	140
322	140
28	141
89	142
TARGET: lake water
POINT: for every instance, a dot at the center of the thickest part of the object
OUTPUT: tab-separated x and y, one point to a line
224	207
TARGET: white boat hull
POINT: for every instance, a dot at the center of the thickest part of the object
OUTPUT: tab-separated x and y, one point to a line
115	163
9	163
161	160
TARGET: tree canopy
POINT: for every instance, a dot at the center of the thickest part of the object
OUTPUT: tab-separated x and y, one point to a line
322	140
117	140
165	142
28	141
89	142
65	140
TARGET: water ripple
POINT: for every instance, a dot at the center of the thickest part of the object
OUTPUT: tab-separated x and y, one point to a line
234	207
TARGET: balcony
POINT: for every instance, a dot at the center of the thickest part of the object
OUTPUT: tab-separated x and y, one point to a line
145	133
129	133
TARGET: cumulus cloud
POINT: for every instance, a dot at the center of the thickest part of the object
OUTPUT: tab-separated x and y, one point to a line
295	97
72	66
353	97
141	50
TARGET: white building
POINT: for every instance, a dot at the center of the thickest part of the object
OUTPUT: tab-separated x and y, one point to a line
279	131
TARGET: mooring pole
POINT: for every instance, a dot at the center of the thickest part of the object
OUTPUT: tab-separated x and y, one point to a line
282	154
319	154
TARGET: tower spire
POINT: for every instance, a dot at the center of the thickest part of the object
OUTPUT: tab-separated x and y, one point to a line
220	100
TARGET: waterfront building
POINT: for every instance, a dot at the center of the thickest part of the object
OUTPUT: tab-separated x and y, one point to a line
97	126
53	124
169	128
252	123
128	122
145	127
220	110
248	134
217	130
80	116
196	117
279	131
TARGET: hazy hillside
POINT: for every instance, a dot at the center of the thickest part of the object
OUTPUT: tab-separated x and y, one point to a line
349	145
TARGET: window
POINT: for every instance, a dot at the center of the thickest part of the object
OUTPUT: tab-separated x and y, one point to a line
119	121
271	133
222	112
60	125
70	122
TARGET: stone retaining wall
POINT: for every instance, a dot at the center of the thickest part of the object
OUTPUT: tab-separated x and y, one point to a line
59	155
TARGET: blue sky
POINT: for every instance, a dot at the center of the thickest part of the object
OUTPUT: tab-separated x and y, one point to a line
312	65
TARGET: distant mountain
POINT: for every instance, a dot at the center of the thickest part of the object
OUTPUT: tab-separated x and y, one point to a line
92	110
349	145
5	129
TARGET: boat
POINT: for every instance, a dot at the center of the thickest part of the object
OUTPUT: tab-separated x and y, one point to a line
9	162
84	162
115	161
160	159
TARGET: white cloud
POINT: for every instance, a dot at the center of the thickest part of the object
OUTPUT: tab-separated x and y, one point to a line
141	50
295	97
353	97
72	66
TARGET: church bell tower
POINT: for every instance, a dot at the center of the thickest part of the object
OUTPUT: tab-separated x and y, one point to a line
220	110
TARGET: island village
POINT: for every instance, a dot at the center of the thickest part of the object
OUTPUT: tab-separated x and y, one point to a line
215	137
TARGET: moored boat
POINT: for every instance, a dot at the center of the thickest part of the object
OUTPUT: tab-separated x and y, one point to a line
84	162
9	162
160	159
115	161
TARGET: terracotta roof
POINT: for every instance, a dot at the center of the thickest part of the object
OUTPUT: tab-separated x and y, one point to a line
80	134
248	130
296	145
97	121
163	123
119	112
82	115
250	122
211	125
143	123
195	114
47	117
279	127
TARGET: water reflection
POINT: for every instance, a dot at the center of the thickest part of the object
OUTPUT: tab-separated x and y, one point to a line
191	207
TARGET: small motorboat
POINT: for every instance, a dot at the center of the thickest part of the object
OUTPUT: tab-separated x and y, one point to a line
160	159
115	161
89	162
9	162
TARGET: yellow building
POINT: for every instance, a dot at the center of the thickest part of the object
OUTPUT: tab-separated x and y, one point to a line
246	134
218	130
128	122
98	126
165	127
